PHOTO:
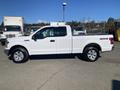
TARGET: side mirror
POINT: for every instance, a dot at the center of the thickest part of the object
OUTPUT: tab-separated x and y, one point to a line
34	38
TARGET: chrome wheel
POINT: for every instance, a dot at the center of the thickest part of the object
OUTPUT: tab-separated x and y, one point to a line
18	56
92	54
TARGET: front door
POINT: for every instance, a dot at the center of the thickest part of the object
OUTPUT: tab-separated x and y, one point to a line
44	42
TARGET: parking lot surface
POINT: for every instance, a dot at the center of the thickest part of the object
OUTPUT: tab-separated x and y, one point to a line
62	74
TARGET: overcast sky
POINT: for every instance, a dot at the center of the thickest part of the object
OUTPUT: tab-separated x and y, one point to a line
51	10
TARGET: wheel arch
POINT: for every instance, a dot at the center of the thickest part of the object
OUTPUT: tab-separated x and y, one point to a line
16	46
93	45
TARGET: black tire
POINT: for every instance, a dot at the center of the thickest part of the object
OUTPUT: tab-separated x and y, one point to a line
19	55
91	54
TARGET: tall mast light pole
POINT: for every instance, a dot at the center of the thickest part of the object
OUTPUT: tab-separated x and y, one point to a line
64	4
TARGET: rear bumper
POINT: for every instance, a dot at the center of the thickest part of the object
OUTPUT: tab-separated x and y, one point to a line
113	47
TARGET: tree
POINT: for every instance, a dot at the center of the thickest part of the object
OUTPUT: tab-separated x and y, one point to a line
110	25
74	23
110	20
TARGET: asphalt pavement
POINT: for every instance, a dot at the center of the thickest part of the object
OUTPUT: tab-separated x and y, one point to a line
62	74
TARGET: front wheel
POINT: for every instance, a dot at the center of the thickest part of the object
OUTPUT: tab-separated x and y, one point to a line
91	54
19	55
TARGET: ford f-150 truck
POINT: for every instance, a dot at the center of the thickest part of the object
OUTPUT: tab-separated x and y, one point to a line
58	39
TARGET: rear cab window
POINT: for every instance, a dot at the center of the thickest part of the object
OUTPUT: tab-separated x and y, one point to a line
60	31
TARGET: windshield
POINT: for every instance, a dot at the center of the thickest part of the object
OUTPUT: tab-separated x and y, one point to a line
12	28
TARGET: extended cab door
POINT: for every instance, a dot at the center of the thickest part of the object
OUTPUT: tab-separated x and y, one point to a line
63	39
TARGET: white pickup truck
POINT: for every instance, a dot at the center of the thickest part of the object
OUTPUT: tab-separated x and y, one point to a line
50	40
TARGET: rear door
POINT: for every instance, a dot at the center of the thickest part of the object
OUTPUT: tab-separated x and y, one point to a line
63	40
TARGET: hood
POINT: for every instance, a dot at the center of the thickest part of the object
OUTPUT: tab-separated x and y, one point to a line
10	32
18	39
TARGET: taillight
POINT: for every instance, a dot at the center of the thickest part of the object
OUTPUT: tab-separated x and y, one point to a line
111	40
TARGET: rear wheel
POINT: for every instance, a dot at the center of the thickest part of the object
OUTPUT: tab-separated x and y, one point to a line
91	54
19	55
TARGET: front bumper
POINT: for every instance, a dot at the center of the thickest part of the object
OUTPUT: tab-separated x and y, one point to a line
3	39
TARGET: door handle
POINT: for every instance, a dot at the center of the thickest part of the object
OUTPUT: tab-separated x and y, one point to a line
52	40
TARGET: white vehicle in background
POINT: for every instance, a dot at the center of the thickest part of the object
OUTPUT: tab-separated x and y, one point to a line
58	39
13	27
79	31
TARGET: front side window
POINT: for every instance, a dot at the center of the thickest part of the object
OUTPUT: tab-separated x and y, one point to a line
46	32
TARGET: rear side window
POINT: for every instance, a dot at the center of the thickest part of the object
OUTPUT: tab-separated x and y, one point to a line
60	31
